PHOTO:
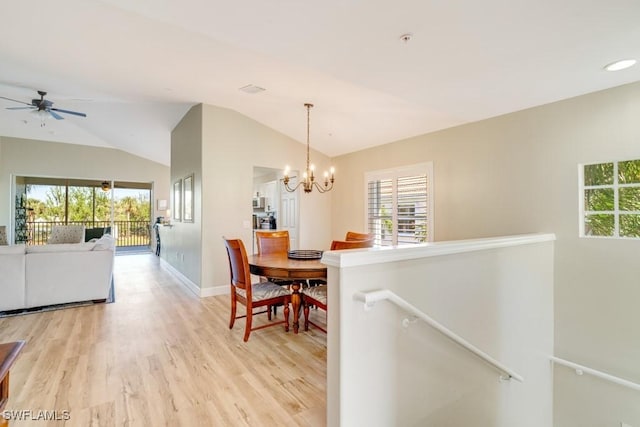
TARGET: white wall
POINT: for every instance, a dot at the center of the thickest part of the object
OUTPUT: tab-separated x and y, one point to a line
231	145
497	294
24	157
518	173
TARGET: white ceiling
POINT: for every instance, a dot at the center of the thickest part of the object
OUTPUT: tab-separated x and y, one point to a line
136	67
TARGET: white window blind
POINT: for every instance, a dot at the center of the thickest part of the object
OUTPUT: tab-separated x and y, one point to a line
399	205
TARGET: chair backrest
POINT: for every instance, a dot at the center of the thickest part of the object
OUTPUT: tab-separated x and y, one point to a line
337	245
352	235
271	242
238	265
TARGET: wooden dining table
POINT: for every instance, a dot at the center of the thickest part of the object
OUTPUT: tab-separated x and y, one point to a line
280	266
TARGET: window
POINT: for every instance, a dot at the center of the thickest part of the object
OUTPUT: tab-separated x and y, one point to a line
610	199
400	205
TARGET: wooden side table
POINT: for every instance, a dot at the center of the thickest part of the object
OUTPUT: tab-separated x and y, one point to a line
8	354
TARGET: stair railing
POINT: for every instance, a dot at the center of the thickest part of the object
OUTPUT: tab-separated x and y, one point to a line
369	298
580	369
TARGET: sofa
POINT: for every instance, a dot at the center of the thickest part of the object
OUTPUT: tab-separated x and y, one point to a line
35	276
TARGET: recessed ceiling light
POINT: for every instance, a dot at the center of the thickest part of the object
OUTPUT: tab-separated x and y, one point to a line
620	65
252	89
406	38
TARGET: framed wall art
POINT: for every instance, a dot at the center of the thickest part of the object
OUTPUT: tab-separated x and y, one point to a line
177	200
187	204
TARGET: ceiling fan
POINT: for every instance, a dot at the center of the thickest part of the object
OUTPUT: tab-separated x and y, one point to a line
43	108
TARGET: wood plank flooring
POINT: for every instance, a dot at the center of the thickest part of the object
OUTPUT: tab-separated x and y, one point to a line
161	356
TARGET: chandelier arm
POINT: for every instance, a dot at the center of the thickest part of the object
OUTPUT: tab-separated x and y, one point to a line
321	188
292	189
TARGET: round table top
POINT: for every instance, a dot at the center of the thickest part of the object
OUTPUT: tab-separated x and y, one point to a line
282	267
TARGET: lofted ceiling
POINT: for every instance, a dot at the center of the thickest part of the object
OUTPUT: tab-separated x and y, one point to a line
135	68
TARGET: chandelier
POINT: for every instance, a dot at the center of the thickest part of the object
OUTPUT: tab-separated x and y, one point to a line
308	178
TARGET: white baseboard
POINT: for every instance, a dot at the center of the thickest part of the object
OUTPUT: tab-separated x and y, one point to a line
195	289
214	290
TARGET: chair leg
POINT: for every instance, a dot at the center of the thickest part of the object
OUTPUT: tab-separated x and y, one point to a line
286	316
306	316
233	313
247	328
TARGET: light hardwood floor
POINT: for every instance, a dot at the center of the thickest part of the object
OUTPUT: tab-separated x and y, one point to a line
161	356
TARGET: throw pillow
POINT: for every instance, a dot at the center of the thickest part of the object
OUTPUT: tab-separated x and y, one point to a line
3	235
66	234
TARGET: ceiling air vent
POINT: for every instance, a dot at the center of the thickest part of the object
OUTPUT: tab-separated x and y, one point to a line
252	89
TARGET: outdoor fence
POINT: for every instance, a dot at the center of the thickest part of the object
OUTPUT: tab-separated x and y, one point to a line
126	233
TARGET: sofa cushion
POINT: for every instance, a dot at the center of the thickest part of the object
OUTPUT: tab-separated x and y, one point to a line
66	234
12	249
61	247
3	235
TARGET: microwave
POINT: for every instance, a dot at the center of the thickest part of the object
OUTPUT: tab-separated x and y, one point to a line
259	202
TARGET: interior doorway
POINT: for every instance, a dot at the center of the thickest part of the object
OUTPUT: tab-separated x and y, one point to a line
273	207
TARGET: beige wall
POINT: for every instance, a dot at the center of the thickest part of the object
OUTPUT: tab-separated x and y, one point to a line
24	157
231	145
518	173
181	243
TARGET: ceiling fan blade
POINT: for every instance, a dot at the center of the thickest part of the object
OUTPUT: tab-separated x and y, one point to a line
55	115
75	113
21	108
14	100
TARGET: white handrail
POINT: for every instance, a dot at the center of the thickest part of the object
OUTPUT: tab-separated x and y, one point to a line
581	369
369	298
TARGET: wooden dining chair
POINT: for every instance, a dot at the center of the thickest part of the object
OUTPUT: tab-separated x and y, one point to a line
314	296
338	245
317	295
272	242
352	235
263	294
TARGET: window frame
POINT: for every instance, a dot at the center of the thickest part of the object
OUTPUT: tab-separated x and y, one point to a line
393	174
616	212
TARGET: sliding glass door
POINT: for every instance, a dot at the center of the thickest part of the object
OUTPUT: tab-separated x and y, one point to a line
124	207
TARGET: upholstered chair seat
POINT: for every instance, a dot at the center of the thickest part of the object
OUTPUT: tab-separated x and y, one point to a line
318	293
264	290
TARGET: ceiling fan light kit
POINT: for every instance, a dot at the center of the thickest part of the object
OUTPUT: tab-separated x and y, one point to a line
43	108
